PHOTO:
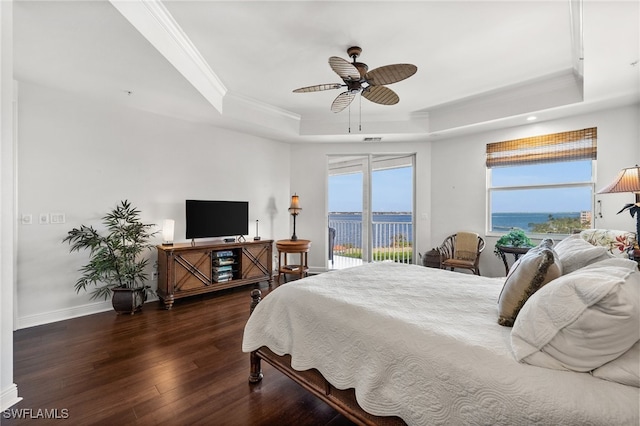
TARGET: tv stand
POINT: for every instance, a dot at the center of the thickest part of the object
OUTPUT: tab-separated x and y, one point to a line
187	269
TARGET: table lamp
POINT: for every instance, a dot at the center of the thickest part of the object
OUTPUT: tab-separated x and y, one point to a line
167	232
628	180
295	210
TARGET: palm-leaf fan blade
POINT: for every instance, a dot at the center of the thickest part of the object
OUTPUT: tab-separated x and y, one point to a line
389	74
381	95
342	101
318	88
344	69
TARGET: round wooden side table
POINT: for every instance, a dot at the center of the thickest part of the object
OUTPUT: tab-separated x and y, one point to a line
515	251
286	247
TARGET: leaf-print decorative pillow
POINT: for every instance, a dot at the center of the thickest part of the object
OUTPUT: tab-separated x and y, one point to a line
617	242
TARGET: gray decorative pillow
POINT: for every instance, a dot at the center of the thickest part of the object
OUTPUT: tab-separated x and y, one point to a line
536	268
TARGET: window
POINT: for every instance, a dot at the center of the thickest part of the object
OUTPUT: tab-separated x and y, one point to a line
543	184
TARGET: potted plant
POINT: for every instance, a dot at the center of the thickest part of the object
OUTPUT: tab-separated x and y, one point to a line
634	211
116	266
514	238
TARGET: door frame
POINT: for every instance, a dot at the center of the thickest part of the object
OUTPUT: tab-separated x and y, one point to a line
365	162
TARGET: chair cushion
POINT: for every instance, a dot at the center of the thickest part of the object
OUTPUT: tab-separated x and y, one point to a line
458	263
528	274
466	247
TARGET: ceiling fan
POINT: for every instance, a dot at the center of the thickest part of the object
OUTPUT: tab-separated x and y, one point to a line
358	79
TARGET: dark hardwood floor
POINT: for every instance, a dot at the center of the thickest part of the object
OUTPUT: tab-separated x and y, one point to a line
179	367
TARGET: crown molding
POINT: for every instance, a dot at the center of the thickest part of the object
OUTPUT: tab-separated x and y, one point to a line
551	91
152	19
256	105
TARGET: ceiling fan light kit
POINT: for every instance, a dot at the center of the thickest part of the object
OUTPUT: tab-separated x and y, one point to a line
357	78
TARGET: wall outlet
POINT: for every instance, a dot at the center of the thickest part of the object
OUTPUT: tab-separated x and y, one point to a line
154	276
26	219
43	218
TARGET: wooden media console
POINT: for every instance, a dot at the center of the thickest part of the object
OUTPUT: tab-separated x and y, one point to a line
187	269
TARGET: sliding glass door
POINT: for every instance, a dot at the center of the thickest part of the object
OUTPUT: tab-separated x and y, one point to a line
347	210
371	201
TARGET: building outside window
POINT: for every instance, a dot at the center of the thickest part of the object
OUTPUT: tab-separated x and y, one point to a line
543	184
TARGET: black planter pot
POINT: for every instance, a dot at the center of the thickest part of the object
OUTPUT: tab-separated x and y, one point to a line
128	300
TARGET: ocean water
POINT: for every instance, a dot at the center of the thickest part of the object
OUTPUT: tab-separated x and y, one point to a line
377	217
350	233
506	221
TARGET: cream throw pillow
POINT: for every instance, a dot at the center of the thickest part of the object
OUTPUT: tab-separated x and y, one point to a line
529	273
581	320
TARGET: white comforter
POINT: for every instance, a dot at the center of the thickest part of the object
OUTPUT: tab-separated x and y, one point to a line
424	344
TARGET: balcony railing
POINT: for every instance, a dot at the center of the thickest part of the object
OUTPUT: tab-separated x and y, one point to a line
391	241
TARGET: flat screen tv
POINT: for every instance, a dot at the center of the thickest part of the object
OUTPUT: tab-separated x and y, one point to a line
206	219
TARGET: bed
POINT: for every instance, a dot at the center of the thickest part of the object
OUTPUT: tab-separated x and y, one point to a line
388	343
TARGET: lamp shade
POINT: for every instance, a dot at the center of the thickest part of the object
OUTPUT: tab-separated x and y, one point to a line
628	180
295	204
294	209
167	231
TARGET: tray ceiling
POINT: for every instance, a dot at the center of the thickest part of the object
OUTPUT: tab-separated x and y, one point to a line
234	64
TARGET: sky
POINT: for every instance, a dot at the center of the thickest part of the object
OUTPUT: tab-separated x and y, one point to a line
543	200
392	189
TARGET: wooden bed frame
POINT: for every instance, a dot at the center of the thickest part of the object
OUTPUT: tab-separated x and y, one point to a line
343	401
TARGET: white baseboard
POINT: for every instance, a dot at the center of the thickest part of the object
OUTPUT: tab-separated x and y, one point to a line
9	397
65	314
62	314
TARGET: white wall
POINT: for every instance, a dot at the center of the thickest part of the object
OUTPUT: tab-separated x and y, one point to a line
80	158
451	180
458	171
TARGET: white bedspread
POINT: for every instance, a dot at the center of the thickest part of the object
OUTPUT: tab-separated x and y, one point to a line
424	344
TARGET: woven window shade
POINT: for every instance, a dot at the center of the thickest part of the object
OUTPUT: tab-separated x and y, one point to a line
565	146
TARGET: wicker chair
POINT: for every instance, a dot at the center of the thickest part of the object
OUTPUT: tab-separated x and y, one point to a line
452	258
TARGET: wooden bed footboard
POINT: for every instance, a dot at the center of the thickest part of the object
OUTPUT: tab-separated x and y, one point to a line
343	401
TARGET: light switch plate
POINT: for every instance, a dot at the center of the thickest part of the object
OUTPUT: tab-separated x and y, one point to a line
57	218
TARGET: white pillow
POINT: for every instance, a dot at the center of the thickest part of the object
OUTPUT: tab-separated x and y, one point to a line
624	369
582	320
575	253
